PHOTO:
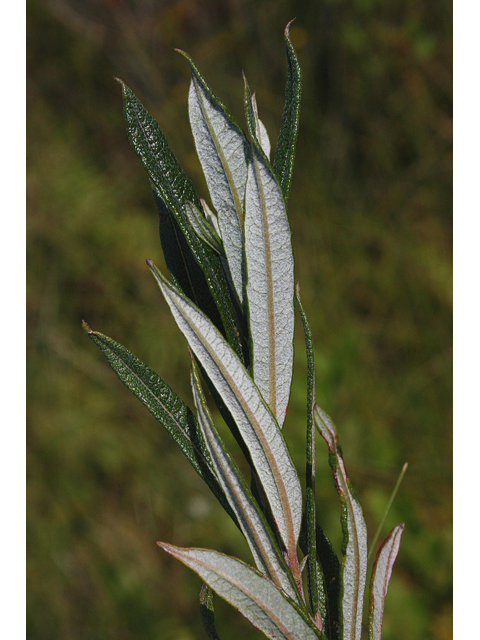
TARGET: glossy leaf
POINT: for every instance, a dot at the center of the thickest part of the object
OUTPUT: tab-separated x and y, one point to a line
265	551
354	566
255	596
255	422
381	574
165	406
287	139
270	280
173	188
223	153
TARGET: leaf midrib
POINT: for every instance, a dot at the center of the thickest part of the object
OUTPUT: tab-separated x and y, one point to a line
243	501
272	379
241	587
221	155
259	433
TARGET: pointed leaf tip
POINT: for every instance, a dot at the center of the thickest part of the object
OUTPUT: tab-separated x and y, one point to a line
381	574
85	327
255	421
285	151
223	153
255	596
354	566
265	551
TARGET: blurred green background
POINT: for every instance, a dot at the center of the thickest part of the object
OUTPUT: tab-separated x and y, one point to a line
370	211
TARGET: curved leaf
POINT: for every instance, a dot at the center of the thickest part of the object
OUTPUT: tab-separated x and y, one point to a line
354	566
260	130
202	228
381	574
207	612
173	188
265	551
285	151
255	596
259	430
165	406
223	152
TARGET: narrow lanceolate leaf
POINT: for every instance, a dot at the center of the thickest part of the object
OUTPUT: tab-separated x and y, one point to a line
314	576
354	566
255	422
287	139
211	217
270	284
223	153
260	130
381	574
255	596
202	228
165	406
330	568
182	266
265	551
174	188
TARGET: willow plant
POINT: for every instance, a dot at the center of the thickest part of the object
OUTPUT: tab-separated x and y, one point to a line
233	294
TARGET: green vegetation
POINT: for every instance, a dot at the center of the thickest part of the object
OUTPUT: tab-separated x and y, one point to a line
370	216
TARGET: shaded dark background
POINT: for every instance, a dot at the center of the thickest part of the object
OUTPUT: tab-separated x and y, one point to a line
370	211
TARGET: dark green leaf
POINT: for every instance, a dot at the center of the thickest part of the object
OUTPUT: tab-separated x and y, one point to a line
330	569
174	188
207	612
181	264
314	577
285	151
165	406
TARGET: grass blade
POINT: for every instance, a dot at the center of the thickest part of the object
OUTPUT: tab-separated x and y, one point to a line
354	566
259	430
381	574
255	596
387	508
